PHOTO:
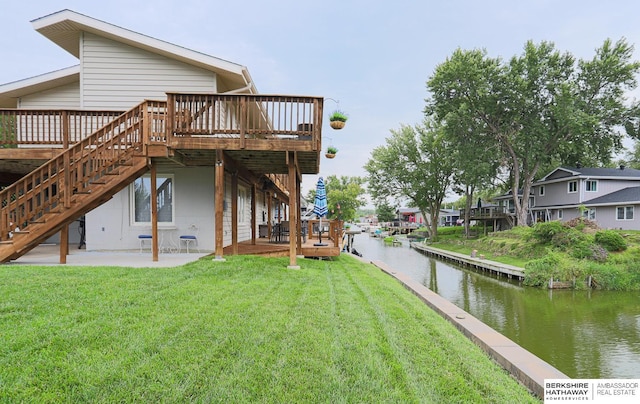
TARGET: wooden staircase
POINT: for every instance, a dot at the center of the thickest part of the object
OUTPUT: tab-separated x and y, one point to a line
76	181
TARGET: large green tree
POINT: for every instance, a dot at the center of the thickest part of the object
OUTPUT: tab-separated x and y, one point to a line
413	165
540	107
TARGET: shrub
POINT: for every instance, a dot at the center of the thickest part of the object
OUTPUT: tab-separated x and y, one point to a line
539	271
545	231
569	237
611	240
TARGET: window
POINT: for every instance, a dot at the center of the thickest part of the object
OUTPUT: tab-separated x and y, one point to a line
591	186
573	186
141	200
624	213
589	214
560	213
541	190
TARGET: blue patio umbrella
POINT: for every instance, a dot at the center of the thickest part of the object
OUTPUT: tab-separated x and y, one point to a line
320	206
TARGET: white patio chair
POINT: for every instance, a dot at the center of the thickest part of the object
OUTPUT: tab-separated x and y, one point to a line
142	238
190	237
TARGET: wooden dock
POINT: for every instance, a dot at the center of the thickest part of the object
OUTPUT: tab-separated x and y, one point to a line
478	262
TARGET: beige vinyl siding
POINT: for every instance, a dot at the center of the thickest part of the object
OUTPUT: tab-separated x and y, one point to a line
119	76
62	97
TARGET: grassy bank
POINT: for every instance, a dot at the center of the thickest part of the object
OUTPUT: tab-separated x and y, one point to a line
247	330
577	252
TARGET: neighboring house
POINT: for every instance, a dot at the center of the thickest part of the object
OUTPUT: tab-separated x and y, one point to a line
608	196
409	217
449	217
223	158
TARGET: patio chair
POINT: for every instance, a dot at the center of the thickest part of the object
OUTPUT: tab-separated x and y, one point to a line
191	237
142	238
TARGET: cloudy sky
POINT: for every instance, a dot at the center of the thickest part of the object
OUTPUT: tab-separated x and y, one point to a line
372	57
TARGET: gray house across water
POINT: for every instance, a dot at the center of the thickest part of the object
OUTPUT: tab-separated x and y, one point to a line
608	196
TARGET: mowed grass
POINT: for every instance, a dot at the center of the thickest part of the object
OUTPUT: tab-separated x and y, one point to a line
244	330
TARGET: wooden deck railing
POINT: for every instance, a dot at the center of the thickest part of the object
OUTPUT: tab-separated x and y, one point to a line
246	116
54	128
489	212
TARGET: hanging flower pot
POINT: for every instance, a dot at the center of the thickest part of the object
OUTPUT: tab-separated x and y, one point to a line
337	119
331	152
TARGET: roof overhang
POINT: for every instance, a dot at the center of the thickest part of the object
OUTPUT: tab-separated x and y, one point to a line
10	92
65	27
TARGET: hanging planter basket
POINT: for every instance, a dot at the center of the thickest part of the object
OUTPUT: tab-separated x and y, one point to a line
338	119
337	124
331	152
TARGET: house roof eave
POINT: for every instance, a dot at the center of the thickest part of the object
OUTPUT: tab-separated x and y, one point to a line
10	92
65	27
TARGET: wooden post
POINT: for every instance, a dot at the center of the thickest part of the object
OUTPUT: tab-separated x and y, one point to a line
253	214
65	129
154	212
269	224
298	221
219	205
293	212
64	243
234	213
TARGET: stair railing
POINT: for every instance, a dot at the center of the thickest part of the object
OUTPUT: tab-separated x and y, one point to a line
53	185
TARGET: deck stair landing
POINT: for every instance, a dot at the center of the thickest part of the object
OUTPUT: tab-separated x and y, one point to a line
71	184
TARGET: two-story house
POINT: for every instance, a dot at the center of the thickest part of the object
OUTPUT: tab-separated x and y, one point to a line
608	196
149	141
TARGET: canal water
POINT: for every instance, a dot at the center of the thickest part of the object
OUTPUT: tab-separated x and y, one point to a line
584	334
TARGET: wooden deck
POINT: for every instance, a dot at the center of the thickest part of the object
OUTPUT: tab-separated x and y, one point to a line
265	248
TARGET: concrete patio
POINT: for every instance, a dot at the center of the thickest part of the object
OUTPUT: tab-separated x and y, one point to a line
49	254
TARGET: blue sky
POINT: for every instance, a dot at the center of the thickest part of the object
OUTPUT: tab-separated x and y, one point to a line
373	57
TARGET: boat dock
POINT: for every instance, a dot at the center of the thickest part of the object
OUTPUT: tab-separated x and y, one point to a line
477	262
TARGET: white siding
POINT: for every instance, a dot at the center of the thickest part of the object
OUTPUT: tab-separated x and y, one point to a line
118	76
63	97
109	226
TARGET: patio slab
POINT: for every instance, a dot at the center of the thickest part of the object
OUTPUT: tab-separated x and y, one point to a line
49	255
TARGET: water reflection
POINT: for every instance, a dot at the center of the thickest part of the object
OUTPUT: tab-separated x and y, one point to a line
585	334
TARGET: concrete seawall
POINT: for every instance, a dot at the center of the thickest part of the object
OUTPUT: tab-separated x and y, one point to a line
520	363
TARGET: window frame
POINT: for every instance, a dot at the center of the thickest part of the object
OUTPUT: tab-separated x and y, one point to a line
625	210
589	214
575	184
587	188
132	200
541	190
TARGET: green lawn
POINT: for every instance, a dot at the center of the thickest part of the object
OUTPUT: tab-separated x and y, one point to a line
246	330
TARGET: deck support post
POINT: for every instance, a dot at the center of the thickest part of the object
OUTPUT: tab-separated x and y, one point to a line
219	205
154	211
293	211
64	243
253	214
234	213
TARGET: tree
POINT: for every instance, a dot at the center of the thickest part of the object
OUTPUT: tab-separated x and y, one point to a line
413	165
385	211
541	106
344	196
